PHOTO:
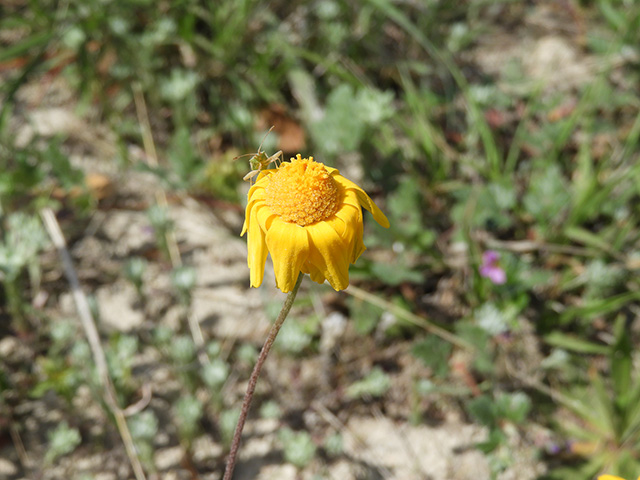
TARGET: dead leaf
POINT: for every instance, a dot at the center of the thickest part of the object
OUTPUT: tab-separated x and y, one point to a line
290	133
99	185
562	111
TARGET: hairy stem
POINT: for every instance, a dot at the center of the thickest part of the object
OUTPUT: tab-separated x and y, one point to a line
253	380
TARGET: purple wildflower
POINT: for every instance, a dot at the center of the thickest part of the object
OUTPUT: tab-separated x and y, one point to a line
490	268
554	448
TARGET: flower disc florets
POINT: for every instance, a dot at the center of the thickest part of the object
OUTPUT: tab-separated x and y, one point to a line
302	192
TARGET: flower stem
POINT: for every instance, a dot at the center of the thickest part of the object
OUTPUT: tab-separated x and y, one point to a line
253	380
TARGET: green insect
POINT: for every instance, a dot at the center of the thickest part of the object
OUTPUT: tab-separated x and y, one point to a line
260	160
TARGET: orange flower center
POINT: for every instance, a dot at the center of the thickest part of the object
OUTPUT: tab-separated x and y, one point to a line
302	192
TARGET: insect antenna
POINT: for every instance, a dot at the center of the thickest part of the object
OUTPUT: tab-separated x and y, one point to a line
259	148
265	137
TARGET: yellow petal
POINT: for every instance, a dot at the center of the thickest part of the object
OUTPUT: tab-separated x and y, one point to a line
350	198
328	253
610	477
314	273
289	247
263	177
340	226
353	232
255	193
247	219
331	170
364	200
265	216
257	250
367	203
351	212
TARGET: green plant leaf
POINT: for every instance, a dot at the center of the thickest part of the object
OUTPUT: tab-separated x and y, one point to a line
483	409
434	353
575	344
375	384
598	307
364	315
514	406
62	441
298	447
621	363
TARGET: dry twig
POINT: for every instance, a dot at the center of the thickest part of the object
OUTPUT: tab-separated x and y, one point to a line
91	331
409	317
151	157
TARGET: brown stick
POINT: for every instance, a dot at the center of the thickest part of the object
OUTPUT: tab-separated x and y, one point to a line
91	331
253	380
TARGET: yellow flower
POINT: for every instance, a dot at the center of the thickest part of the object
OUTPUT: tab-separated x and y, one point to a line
611	477
309	218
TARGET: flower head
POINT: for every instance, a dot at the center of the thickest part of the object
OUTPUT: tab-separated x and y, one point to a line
309	218
490	268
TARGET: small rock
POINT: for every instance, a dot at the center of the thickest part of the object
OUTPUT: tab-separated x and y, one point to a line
168	457
333	327
7	468
116	306
8	346
556	63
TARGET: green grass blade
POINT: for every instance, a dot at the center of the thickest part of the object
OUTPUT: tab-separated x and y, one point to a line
25	46
575	344
598	307
493	156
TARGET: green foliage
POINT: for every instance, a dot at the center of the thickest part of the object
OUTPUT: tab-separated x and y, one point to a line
434	353
490	412
57	375
23	238
62	441
134	270
184	280
547	197
220	177
334	444
407	216
270	409
188	413
347	117
364	315
144	426
395	274
182	350
487	206
214	374
32	172
162	225
144	429
227	424
247	354
184	161
375	384
500	414
120	360
480	339
298	448
606	411
293	337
